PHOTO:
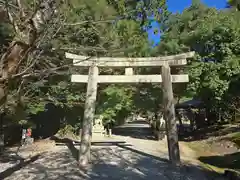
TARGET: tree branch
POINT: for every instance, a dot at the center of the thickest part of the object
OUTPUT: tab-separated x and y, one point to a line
10	4
46	71
85	22
87	48
36	58
11	20
19	3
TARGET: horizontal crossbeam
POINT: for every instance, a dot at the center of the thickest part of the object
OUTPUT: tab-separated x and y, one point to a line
174	60
130	79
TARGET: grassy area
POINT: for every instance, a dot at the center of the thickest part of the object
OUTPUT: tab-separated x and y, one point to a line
214	161
235	137
212	168
202	150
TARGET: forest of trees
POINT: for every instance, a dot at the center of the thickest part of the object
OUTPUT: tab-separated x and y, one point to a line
35	35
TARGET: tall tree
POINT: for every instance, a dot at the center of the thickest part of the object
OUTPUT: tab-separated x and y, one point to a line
214	36
26	21
27	26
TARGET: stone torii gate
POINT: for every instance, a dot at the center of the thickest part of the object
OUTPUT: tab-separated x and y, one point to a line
93	78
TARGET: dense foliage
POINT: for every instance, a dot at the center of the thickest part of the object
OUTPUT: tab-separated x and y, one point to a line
105	28
214	35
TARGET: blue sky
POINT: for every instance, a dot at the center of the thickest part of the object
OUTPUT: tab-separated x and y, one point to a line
178	6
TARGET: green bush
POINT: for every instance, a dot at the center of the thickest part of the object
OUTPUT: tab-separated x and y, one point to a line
68	130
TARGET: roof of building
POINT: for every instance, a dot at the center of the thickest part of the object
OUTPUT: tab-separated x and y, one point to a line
194	103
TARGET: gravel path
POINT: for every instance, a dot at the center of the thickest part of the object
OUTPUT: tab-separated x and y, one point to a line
133	158
107	163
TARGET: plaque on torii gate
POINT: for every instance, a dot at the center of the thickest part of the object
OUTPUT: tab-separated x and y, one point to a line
93	78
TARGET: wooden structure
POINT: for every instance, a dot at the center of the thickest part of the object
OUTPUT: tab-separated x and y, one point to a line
93	78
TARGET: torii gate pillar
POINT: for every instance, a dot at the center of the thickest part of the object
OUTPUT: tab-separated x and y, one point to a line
169	116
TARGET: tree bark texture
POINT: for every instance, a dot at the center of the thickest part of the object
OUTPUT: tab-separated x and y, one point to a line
27	32
10	62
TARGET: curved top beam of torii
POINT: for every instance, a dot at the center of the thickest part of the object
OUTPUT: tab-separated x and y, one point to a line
174	60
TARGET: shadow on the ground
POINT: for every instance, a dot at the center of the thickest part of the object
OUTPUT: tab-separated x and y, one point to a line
71	144
17	167
207	132
108	163
10	157
138	129
142	153
229	161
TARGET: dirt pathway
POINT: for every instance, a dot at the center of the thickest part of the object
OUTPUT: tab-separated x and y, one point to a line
140	136
120	157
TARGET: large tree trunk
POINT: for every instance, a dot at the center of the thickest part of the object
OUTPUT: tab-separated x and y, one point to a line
27	30
10	62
